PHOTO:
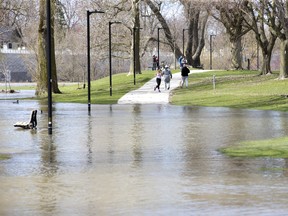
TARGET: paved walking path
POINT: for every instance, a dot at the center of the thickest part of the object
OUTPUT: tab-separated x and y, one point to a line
147	95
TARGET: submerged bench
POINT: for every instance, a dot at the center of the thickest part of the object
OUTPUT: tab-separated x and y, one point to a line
28	125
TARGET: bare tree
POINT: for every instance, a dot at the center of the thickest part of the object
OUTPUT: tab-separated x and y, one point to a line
277	12
231	15
256	19
197	16
164	25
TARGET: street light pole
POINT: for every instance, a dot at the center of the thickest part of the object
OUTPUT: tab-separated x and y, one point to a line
134	52
174	41
134	56
257	56
183	40
110	56
211	50
49	65
158	46
88	56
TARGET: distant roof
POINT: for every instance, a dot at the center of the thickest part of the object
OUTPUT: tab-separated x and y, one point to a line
9	34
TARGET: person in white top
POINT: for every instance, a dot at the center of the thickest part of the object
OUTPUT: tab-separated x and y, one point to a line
158	80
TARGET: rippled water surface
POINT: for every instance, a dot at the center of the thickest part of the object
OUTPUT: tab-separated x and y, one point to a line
139	160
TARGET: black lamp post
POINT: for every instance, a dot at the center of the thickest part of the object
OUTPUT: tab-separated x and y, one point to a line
134	53
110	55
257	56
49	65
88	56
183	40
211	48
158	45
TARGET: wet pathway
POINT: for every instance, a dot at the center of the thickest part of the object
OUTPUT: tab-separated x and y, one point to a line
147	95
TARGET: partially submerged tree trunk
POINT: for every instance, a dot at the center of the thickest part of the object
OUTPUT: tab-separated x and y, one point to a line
42	82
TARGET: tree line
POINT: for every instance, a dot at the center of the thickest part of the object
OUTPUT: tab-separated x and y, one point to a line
143	20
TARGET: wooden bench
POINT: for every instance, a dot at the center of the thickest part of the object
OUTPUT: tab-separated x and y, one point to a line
28	125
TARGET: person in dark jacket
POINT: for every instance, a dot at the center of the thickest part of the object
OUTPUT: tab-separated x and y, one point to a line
184	74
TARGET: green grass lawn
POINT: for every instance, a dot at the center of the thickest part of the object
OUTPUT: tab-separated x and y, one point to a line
235	89
100	89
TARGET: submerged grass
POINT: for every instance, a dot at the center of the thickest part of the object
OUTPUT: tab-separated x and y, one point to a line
276	148
4	157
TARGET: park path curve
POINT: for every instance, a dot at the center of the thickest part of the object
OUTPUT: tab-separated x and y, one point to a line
147	95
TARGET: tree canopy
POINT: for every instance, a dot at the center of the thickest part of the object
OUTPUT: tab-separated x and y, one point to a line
178	27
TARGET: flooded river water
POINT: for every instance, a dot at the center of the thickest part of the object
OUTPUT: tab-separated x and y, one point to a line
139	160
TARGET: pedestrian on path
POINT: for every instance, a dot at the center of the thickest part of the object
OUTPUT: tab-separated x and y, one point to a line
167	76
184	74
158	79
180	61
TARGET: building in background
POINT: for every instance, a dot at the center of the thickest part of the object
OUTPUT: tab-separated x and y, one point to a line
13	56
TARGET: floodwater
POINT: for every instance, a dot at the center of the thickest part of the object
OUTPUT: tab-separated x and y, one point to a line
139	160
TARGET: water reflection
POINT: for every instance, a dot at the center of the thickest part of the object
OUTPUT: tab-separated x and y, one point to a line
126	159
89	141
48	156
137	129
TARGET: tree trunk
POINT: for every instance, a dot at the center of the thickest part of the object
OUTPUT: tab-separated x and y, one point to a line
42	83
200	43
192	41
236	54
196	34
136	31
266	68
41	75
284	60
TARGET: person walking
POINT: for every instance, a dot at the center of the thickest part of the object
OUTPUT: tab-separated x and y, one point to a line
180	62
154	67
158	80
167	76
184	61
184	74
